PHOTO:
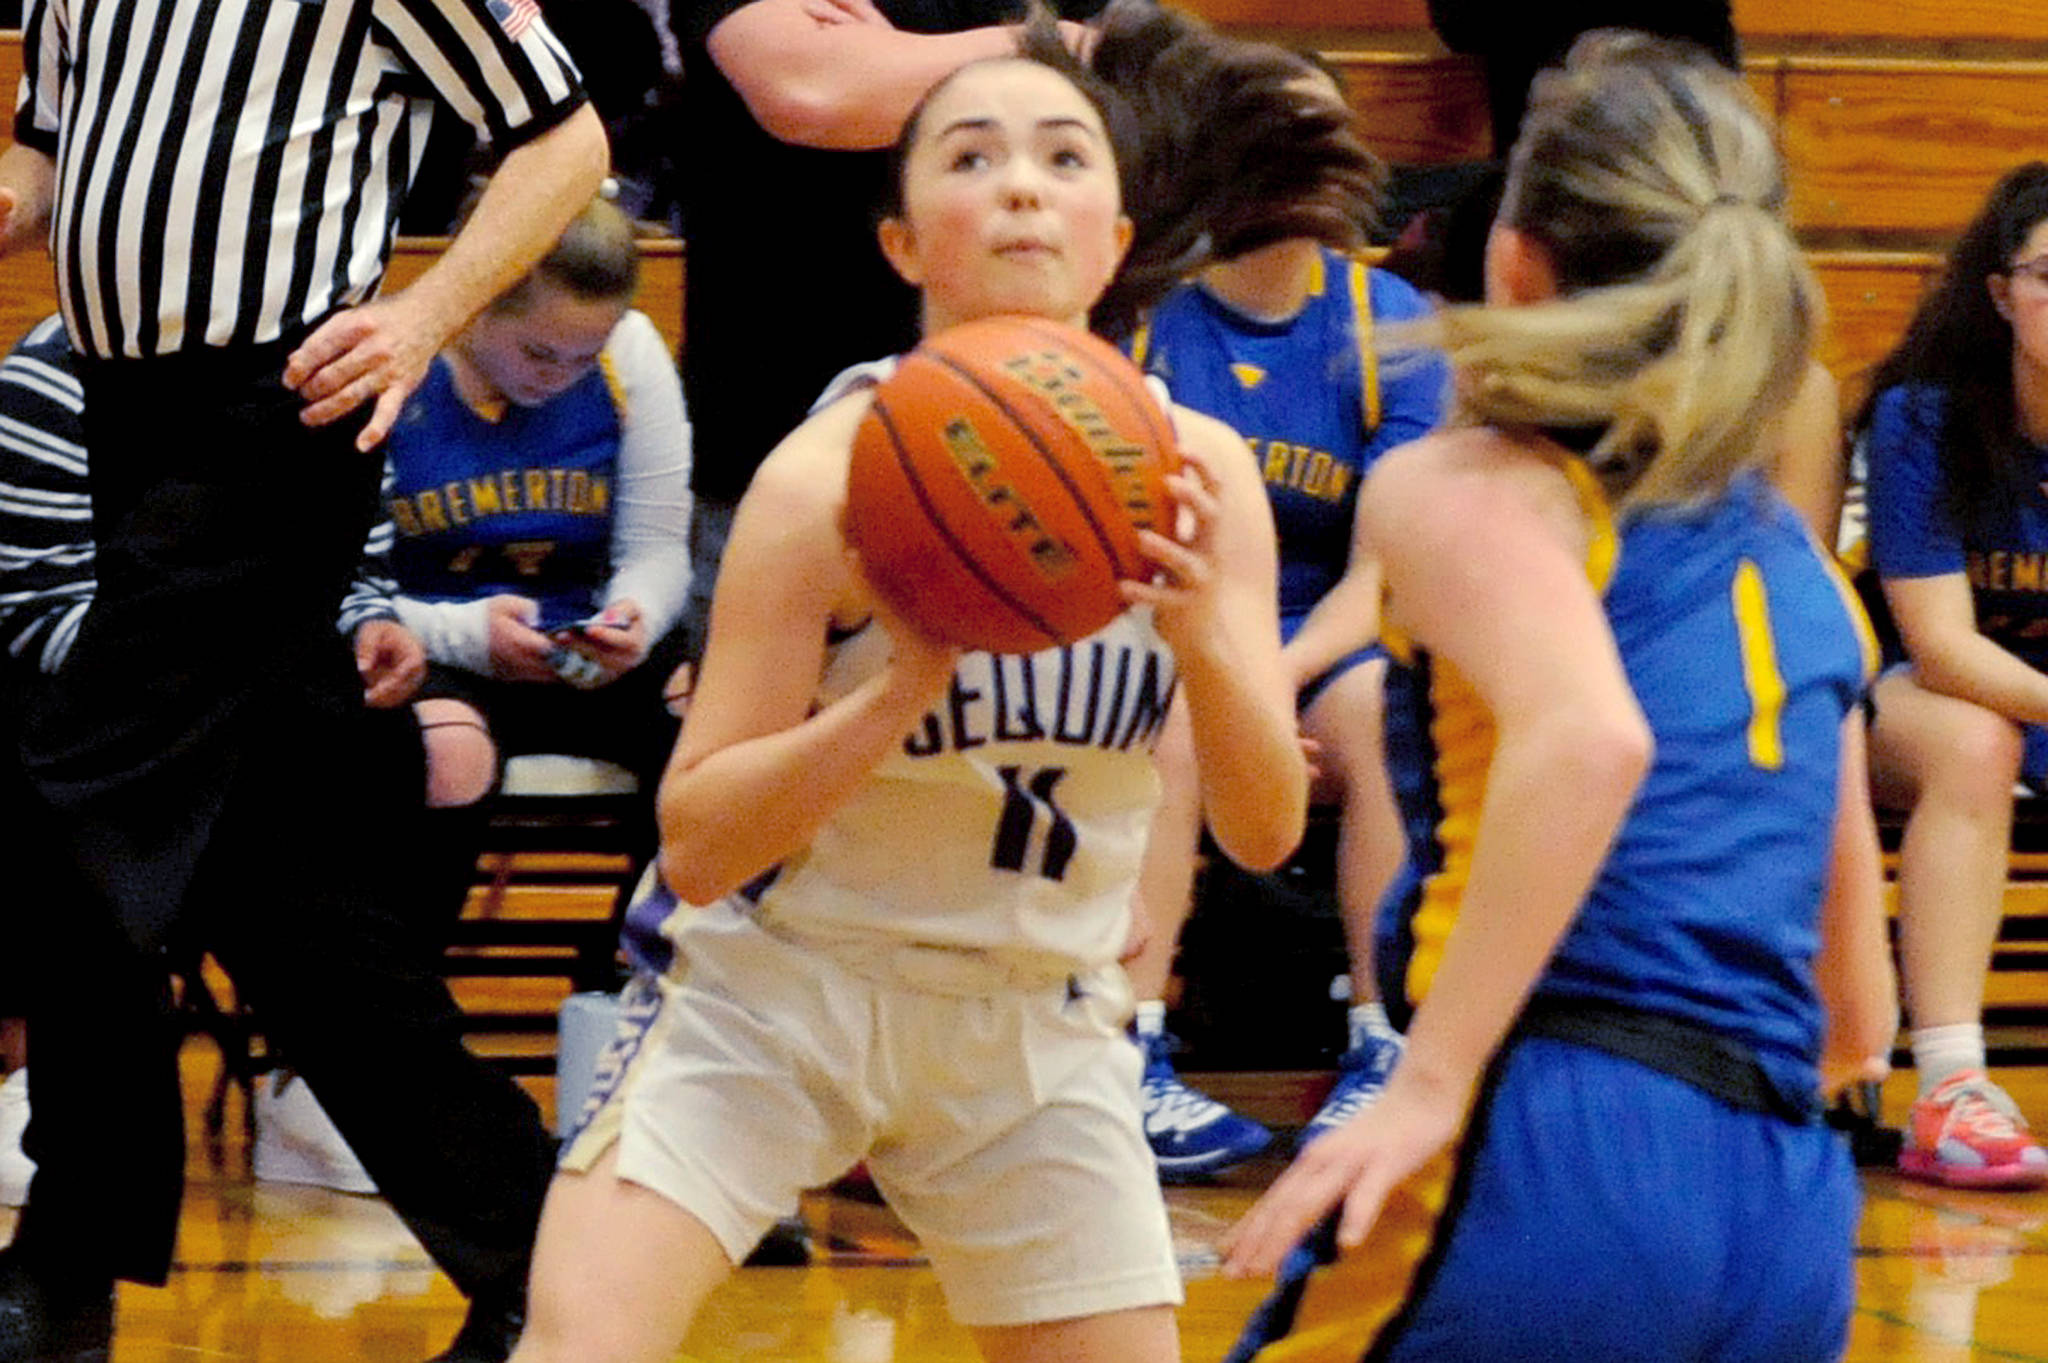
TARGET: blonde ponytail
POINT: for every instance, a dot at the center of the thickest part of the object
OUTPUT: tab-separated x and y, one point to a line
1685	312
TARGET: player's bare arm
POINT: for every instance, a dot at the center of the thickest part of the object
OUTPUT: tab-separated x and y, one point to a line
756	773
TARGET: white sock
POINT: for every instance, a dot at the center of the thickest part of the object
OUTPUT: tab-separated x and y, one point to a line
1369	1019
1939	1052
1149	1018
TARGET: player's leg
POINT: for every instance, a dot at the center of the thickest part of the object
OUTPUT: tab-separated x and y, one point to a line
462	760
1344	718
1191	1134
618	1273
1147	1332
1019	1162
1952	764
716	1102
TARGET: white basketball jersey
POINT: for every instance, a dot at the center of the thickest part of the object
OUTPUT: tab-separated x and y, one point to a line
1011	821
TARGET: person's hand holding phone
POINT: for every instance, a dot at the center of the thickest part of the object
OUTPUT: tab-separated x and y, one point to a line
519	651
614	641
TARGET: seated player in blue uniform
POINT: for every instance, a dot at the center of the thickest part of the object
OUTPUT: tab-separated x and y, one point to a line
1644	936
1955	443
1278	344
539	504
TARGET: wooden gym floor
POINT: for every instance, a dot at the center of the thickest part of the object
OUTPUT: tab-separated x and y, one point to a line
274	1274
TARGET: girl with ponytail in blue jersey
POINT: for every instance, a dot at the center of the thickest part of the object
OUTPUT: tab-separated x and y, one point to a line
1644	932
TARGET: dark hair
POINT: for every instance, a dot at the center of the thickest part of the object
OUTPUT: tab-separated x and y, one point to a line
1957	342
1231	153
596	260
1218	151
1442	250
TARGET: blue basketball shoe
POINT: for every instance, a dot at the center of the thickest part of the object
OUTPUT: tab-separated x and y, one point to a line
1191	1135
1361	1077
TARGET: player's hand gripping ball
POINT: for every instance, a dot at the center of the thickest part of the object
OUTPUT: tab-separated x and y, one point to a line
999	483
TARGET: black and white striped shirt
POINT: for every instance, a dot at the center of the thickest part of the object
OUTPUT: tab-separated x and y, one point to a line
46	547
230	170
46	543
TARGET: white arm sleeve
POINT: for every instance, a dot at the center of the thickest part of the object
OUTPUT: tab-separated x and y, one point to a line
651	513
454	633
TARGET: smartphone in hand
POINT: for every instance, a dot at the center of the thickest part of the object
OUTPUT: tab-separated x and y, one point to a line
586	624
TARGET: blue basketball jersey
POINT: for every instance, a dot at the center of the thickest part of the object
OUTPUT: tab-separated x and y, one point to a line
1746	651
1912	533
1311	396
521	504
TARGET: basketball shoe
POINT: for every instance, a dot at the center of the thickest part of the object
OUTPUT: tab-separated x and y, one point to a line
16	1168
1361	1077
1191	1135
1968	1134
296	1141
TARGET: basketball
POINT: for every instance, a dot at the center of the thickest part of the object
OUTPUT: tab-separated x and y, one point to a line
999	482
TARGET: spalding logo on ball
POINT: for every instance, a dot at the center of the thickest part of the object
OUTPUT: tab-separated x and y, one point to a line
999	482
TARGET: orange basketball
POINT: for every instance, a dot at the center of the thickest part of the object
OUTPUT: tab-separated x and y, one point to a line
999	483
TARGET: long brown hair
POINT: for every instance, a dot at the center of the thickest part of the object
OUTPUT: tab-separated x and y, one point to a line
1958	342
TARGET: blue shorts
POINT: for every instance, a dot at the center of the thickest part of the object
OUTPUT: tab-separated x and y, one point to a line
1600	1211
2034	761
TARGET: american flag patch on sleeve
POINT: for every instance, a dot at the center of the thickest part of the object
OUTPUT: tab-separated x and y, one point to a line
514	16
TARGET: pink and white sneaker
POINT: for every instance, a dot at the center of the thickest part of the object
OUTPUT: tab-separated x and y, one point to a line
1968	1134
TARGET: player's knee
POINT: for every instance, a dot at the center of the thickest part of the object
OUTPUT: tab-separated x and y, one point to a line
462	761
1977	756
1345	721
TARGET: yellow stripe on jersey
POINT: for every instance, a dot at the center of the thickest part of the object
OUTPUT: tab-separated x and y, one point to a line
1760	673
1141	343
1866	633
1603	546
1462	733
1346	1304
1248	375
1368	357
613	383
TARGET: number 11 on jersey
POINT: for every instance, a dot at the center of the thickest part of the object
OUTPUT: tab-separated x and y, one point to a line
1025	799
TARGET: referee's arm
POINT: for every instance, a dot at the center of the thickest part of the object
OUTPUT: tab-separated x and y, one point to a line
384	347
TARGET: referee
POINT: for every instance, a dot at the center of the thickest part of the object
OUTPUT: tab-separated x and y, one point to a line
219	182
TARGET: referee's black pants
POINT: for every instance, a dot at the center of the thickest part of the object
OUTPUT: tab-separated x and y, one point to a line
205	757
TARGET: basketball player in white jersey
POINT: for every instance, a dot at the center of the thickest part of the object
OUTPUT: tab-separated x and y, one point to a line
916	863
